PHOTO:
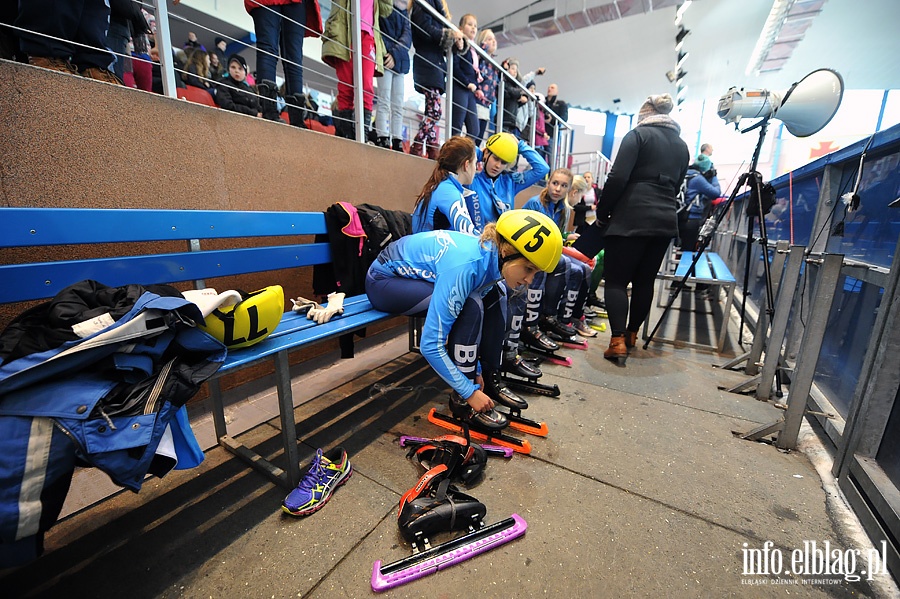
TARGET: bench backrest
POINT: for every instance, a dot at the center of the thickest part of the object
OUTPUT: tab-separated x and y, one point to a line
41	227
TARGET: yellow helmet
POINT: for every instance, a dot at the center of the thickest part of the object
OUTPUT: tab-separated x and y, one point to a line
534	234
504	146
249	321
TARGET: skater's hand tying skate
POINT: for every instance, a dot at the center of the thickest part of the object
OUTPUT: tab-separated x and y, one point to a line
480	402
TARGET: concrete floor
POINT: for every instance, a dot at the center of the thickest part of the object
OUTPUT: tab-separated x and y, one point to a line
640	490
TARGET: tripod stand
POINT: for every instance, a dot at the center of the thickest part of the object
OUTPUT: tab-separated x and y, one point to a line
755	209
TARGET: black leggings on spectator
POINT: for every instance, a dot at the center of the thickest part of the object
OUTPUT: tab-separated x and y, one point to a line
634	260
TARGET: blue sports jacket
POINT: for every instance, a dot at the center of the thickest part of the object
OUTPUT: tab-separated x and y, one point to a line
458	265
495	196
447	209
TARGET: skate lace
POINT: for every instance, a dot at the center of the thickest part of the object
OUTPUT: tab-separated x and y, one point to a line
316	473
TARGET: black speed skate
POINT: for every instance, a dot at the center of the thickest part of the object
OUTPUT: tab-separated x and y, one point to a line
496	390
520	374
561	332
483	426
537	343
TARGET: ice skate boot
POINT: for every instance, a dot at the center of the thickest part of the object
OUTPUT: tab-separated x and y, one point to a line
520	374
495	389
539	344
483	426
562	333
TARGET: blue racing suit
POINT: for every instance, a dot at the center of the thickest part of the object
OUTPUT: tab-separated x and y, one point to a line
446	209
495	196
453	276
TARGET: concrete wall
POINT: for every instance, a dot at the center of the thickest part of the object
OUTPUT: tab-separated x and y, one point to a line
70	142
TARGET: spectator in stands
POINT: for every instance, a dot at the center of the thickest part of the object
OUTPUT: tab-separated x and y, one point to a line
336	52
234	93
216	66
560	108
198	71
46	28
442	202
487	85
281	24
513	97
219	50
397	36
125	21
431	41
466	74
638	203
192	43
141	61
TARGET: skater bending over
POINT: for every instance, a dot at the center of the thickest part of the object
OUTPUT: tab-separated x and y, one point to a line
451	276
442	203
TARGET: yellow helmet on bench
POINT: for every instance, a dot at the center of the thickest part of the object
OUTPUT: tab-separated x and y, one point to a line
249	321
534	235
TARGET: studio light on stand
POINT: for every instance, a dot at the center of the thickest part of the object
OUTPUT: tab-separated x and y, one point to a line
804	108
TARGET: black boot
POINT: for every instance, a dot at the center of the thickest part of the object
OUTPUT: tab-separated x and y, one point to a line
500	393
535	338
268	92
370	135
397	144
553	325
520	367
383	142
344	124
297	110
490	421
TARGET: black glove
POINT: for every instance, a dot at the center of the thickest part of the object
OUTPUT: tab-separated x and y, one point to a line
710	174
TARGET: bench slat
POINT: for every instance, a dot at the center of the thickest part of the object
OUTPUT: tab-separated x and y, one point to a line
701	270
720	268
23	227
22	282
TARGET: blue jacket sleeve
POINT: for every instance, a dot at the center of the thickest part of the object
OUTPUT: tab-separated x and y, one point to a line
539	168
450	292
447	199
710	189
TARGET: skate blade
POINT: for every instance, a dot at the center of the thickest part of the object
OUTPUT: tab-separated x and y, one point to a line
496	450
526	386
531	427
560	361
599	327
496	438
446	554
582	345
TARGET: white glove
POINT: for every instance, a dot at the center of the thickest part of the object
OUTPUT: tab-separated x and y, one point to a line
334	306
303	305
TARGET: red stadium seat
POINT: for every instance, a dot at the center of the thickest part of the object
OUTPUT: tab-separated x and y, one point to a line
195	94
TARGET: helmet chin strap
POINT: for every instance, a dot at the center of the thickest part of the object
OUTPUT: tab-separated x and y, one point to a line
501	260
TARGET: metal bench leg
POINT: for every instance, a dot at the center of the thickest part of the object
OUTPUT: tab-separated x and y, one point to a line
286	408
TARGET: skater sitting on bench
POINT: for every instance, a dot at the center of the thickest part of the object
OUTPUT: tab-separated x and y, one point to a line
442	202
559	297
453	276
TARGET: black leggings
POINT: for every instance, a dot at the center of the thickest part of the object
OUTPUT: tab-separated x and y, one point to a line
634	260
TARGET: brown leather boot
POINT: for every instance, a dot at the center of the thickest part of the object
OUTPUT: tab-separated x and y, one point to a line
415	149
54	64
99	74
431	152
630	339
617	352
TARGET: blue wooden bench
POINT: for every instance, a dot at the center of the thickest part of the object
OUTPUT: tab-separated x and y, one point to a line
710	270
44	228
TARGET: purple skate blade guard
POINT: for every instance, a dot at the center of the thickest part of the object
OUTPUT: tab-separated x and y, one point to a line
491	449
511	528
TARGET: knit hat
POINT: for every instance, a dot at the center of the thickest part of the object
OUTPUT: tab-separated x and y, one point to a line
703	163
238	59
653	105
219	40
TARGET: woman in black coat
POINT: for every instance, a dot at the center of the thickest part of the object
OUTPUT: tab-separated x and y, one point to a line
638	203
